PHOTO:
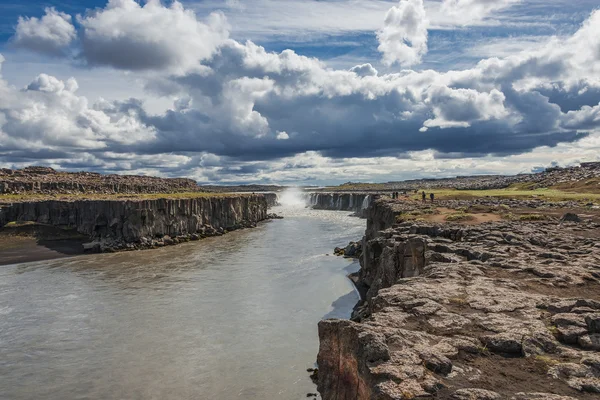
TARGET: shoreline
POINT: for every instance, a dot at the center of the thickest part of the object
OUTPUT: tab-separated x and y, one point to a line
26	249
16	248
126	225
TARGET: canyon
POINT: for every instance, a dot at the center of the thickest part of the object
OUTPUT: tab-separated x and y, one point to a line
486	296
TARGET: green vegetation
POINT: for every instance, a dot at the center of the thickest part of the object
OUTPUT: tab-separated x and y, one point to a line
416	215
15	198
547	194
508	216
546	362
553	330
532	217
459	216
483	350
16	224
459	300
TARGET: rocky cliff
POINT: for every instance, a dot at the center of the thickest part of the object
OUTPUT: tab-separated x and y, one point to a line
43	180
550	177
501	310
135	221
356	202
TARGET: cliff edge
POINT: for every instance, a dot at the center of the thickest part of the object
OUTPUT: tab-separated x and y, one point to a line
505	309
129	224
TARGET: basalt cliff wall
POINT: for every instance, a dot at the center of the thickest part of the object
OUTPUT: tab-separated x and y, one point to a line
134	220
502	310
356	202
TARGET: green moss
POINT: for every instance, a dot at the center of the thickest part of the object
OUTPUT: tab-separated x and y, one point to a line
508	216
16	224
459	216
532	217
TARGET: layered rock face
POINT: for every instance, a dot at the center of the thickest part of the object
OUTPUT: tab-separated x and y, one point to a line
271	198
47	180
502	310
356	202
131	221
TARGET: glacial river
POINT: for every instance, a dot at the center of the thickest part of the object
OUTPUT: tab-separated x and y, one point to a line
233	317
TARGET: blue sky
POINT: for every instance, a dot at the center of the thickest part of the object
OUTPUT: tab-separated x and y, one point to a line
209	89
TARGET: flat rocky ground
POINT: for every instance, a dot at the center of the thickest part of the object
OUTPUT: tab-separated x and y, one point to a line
502	301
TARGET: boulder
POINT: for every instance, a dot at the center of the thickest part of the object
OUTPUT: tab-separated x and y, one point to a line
570	217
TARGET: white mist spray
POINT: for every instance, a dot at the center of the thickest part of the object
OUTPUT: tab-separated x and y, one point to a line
293	197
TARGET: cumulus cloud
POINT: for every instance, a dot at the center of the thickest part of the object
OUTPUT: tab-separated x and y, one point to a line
240	110
403	38
282	136
50	34
127	35
48	115
364	70
461	107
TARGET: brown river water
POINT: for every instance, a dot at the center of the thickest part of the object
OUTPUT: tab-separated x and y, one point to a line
233	317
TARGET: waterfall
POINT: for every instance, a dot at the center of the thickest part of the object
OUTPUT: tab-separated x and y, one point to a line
366	202
351	205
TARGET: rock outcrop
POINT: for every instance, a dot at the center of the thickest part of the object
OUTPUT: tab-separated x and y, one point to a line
355	202
144	221
501	310
554	176
43	180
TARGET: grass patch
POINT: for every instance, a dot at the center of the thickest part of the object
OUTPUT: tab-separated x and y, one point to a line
16	224
16	198
553	330
532	217
459	216
459	301
545	361
508	216
516	193
483	350
416	215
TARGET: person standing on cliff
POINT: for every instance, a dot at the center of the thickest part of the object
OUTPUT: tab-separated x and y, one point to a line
431	196
423	195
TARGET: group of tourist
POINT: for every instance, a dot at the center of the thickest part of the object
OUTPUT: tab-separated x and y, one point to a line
424	196
396	195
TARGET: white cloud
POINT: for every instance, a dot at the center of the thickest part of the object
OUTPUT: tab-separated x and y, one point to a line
305	20
297	19
234	104
403	38
48	115
50	34
469	12
364	70
127	35
462	107
282	136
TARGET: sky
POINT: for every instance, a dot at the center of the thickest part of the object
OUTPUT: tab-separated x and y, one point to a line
299	91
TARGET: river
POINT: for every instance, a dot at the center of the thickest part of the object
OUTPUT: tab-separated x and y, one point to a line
233	317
